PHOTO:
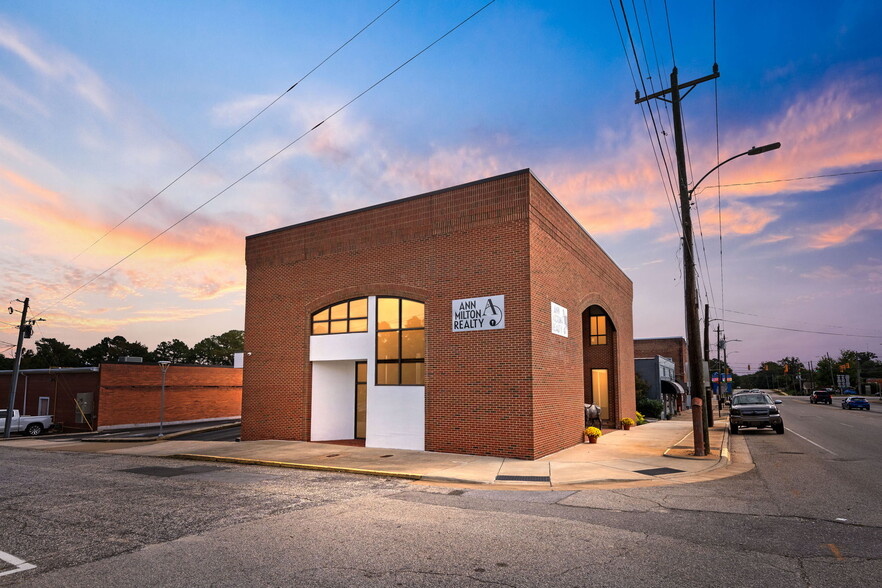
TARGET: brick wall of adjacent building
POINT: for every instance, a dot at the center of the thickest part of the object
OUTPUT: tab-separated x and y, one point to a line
131	393
60	387
487	392
672	347
571	270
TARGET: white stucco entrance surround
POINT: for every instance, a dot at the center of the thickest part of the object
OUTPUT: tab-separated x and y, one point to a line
396	415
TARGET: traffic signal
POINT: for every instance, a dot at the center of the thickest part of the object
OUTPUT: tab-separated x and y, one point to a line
786	368
748	367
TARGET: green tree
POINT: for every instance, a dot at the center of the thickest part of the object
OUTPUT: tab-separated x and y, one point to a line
111	349
55	353
219	349
175	351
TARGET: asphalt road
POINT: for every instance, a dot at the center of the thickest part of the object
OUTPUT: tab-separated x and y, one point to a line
114	520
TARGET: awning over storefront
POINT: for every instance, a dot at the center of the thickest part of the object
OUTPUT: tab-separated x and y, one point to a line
671	387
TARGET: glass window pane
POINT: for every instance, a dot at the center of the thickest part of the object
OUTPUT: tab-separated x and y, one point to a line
387	313
361	372
339	311
601	325
358	326
387	345
321	315
413	344
387	374
413	374
358	308
338	326
412	314
320	328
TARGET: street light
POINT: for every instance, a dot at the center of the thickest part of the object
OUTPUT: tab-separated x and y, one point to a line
163	365
701	397
751	151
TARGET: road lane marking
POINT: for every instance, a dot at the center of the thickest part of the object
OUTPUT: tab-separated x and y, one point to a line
836	553
810	441
849	426
19	564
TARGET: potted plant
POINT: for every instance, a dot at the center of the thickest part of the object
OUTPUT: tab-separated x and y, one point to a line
592	433
627	423
641	420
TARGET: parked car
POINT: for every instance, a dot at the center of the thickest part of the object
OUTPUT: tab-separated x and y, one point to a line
755	409
27	425
821	396
849	391
856	402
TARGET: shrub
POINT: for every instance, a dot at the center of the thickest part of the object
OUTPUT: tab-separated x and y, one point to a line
650	408
641	420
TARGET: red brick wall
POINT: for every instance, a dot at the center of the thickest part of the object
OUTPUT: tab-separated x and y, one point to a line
672	347
131	393
485	394
571	270
60	387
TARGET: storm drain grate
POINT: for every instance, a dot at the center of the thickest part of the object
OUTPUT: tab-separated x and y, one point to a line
163	472
658	471
523	478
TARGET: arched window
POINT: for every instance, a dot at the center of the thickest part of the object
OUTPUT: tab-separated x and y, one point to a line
401	342
344	317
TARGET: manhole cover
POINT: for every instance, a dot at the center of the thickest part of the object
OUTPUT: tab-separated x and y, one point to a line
658	471
523	478
164	472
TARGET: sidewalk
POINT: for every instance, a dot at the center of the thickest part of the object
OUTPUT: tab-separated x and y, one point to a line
654	454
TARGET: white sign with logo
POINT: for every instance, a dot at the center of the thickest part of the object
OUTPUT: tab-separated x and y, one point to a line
479	314
559	324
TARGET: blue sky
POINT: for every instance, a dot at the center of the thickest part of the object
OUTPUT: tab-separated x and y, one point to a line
103	104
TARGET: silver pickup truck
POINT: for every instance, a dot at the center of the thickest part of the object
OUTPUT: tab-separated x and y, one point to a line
26	425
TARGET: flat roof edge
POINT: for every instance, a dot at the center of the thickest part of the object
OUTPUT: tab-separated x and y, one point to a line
396	201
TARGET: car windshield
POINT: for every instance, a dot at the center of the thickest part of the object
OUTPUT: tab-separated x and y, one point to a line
751	399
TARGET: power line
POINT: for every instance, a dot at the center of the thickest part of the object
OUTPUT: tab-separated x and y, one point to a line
236	132
854	173
268	159
660	152
805	331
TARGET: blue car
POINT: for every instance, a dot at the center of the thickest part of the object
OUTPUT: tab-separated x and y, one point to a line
856	402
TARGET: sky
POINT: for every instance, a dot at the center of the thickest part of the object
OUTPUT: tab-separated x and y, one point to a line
105	107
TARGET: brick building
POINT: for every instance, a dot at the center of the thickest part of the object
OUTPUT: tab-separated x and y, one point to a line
476	319
671	347
127	394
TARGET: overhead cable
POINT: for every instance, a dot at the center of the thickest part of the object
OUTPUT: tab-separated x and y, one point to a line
268	159
236	132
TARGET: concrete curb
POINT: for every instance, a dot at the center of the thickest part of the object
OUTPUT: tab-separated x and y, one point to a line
158	438
298	466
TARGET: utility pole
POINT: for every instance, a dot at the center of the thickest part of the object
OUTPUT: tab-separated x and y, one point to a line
693	335
719	378
708	392
7	426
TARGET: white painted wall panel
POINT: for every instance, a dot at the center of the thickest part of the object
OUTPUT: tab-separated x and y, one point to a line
333	400
354	346
396	417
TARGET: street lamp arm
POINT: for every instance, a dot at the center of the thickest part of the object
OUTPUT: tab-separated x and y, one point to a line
751	151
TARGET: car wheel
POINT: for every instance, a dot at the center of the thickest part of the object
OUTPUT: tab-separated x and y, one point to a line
733	428
34	429
779	429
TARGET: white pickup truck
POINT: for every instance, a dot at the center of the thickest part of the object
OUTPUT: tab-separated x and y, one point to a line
26	425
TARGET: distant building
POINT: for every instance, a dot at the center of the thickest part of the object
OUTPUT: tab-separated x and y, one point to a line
128	394
477	319
659	373
672	347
